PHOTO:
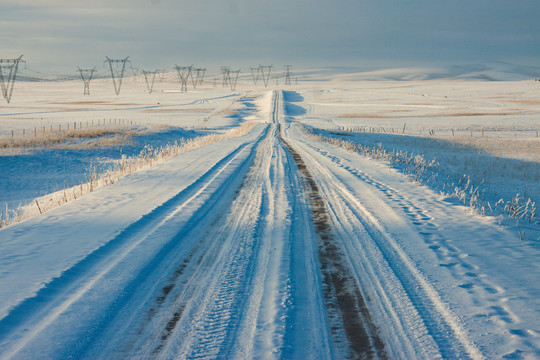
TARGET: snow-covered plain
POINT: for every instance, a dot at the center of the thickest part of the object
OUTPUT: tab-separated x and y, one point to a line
274	244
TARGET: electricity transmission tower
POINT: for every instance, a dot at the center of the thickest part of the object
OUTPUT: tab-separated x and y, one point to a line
119	74
200	76
233	80
86	75
288	74
184	72
255	76
226	72
150	84
135	72
7	81
162	75
265	71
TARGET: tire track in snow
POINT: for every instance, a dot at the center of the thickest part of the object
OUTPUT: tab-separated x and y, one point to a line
62	293
354	221
345	303
178	292
242	304
449	255
245	305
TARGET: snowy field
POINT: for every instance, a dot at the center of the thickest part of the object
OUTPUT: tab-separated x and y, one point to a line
387	214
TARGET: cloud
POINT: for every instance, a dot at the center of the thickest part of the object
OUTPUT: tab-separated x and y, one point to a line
65	33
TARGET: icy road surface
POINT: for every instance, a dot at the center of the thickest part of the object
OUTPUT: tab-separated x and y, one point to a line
271	245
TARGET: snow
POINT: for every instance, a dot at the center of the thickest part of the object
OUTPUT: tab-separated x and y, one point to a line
218	251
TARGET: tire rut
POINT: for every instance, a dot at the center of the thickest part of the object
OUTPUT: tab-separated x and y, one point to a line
341	292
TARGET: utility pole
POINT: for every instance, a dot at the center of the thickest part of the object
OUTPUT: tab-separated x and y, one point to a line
119	73
7	80
86	75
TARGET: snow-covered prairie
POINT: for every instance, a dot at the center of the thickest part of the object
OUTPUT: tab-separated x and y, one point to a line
276	241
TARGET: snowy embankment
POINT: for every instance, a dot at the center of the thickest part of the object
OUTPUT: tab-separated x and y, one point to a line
96	176
486	184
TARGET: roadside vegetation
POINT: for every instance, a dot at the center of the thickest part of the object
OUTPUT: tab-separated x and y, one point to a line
471	176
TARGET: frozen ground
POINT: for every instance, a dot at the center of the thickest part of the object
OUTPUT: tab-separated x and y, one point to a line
274	244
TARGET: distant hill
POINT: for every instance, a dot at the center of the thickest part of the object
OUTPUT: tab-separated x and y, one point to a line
488	71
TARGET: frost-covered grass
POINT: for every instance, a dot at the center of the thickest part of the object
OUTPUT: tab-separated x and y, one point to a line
95	179
486	184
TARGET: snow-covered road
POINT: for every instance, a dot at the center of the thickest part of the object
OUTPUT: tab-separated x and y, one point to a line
270	245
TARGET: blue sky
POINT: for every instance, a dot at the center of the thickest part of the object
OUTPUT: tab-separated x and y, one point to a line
59	35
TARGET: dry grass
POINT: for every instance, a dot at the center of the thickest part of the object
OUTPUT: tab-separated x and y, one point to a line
524	102
370	115
42	138
471	113
227	112
387	114
195	110
101	142
92	103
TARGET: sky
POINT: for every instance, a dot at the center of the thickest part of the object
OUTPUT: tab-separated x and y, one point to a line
61	35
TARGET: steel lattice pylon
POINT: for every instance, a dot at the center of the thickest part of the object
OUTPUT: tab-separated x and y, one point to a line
265	71
7	82
288	74
184	72
150	84
233	79
226	73
200	76
120	76
255	75
86	80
